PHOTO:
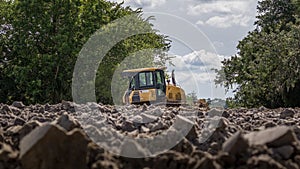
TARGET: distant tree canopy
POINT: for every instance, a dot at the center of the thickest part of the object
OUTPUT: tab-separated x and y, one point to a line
40	42
266	69
192	97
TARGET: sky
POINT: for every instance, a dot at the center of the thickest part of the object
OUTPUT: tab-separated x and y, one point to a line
203	33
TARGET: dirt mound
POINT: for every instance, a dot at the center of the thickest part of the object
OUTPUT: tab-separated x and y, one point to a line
69	135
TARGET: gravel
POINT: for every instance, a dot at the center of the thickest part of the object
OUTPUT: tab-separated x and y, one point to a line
90	136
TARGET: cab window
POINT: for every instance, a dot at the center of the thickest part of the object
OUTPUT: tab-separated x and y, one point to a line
158	78
145	79
132	84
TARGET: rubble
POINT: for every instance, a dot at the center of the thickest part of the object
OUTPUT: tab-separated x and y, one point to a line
69	135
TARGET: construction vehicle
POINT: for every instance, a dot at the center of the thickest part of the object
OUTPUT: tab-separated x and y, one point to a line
149	85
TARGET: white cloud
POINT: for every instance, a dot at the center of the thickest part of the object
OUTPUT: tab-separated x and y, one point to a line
203	58
193	73
227	21
196	67
221	7
224	14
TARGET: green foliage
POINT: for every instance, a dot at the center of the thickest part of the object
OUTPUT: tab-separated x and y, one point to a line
40	51
266	68
191	98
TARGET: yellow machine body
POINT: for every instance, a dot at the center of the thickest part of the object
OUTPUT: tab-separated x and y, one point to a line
175	94
148	85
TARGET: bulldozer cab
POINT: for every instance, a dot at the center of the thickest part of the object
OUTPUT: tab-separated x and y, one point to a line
146	85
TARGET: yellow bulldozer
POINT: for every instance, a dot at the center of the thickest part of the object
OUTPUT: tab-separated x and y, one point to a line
150	86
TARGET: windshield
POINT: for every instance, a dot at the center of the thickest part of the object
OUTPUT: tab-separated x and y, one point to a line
146	79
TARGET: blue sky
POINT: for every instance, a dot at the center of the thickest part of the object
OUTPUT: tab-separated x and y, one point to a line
203	32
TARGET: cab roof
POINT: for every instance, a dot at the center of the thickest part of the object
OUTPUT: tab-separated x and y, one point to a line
132	72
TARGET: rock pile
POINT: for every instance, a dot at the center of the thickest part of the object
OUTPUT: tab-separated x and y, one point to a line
69	135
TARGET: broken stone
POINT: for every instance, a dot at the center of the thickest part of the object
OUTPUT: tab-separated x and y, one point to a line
269	124
223	123
192	134
156	112
6	109
137	119
13	130
287	113
215	112
273	137
200	114
132	149
128	126
285	151
18	104
27	128
7	153
49	147
184	146
235	144
147	118
207	162
19	121
144	129
67	105
263	161
226	159
183	124
225	114
297	159
67	122
157	126
289	164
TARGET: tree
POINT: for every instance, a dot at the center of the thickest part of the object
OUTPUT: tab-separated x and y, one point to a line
191	97
266	68
46	36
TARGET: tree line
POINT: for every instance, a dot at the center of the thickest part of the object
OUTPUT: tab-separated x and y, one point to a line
40	41
266	69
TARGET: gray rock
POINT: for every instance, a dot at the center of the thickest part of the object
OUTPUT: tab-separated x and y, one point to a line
207	162
67	122
147	118
49	147
184	146
19	121
286	113
269	124
297	159
27	128
6	109
223	123
290	164
192	134
131	148
156	112
13	130
225	114
263	162
273	137
183	124
284	151
215	112
144	129
128	126
18	104
137	119
235	144
157	126
7	153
